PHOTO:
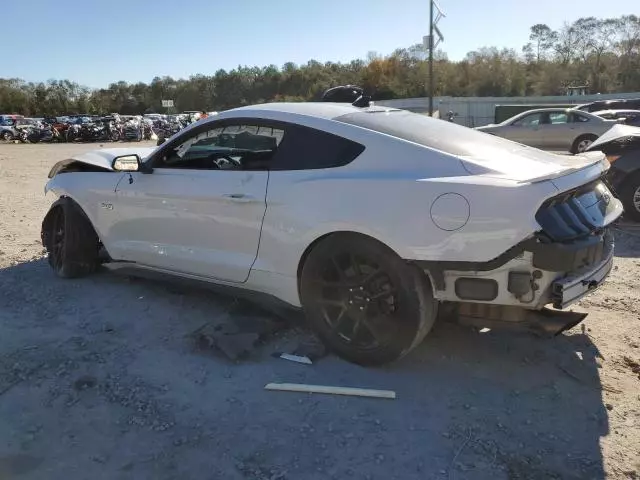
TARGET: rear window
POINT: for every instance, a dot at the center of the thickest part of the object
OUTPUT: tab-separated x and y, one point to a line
430	132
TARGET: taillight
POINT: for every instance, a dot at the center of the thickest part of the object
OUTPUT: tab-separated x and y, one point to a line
612	158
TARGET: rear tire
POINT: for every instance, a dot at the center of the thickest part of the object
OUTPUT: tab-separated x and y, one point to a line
366	304
70	240
630	196
582	143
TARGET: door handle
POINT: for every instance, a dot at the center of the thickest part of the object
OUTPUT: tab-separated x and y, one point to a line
239	197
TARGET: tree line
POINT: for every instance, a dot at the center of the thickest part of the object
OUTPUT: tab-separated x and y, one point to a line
602	54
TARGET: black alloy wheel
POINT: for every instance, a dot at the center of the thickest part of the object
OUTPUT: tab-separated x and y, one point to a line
358	301
366	303
71	242
57	251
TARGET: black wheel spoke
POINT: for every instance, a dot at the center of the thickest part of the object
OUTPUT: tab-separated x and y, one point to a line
338	268
377	332
355	266
372	276
383	294
355	329
331	302
339	320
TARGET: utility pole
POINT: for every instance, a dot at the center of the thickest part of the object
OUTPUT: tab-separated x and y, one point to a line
430	58
429	43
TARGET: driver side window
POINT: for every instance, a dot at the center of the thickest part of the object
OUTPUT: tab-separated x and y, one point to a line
230	147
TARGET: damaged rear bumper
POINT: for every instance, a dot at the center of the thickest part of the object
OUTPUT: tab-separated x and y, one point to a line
515	292
531	275
576	285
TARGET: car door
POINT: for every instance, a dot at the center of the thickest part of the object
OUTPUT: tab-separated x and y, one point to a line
556	132
201	209
588	125
524	130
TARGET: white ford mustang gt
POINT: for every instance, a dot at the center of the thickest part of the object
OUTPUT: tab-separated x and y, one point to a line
367	219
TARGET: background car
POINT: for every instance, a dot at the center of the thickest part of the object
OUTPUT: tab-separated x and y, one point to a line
8	131
621	145
552	129
616	104
628	117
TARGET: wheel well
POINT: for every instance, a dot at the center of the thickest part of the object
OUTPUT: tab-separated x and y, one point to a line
318	240
574	146
66	200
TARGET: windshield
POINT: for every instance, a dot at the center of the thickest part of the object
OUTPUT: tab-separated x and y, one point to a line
430	132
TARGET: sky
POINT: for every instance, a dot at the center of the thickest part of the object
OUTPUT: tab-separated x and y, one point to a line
96	42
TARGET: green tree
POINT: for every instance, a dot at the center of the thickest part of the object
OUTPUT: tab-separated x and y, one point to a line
601	53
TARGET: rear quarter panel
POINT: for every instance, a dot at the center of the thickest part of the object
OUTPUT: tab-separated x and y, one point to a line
393	205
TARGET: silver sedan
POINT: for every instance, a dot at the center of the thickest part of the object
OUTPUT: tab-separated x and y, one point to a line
552	129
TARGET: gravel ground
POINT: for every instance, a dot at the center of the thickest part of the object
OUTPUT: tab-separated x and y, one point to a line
100	378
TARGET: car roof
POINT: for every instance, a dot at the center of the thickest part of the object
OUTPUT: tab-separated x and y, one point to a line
548	109
327	110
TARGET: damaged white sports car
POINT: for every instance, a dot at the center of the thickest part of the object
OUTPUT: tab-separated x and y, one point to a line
368	219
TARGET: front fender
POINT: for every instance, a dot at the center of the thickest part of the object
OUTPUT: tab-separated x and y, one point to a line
89	191
62	202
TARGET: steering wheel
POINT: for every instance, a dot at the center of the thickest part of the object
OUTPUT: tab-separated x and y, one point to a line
215	157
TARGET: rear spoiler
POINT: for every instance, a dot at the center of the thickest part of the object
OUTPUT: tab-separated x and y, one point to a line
347	94
601	161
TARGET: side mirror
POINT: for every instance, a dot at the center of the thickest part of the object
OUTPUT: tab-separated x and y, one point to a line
126	163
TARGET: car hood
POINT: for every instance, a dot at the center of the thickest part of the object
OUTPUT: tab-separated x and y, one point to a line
527	164
615	133
102	158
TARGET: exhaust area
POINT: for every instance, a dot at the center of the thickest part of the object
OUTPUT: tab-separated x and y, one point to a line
549	322
546	322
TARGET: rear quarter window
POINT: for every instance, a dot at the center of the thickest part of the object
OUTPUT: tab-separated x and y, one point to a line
304	148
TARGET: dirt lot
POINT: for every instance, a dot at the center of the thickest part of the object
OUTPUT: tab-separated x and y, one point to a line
100	378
